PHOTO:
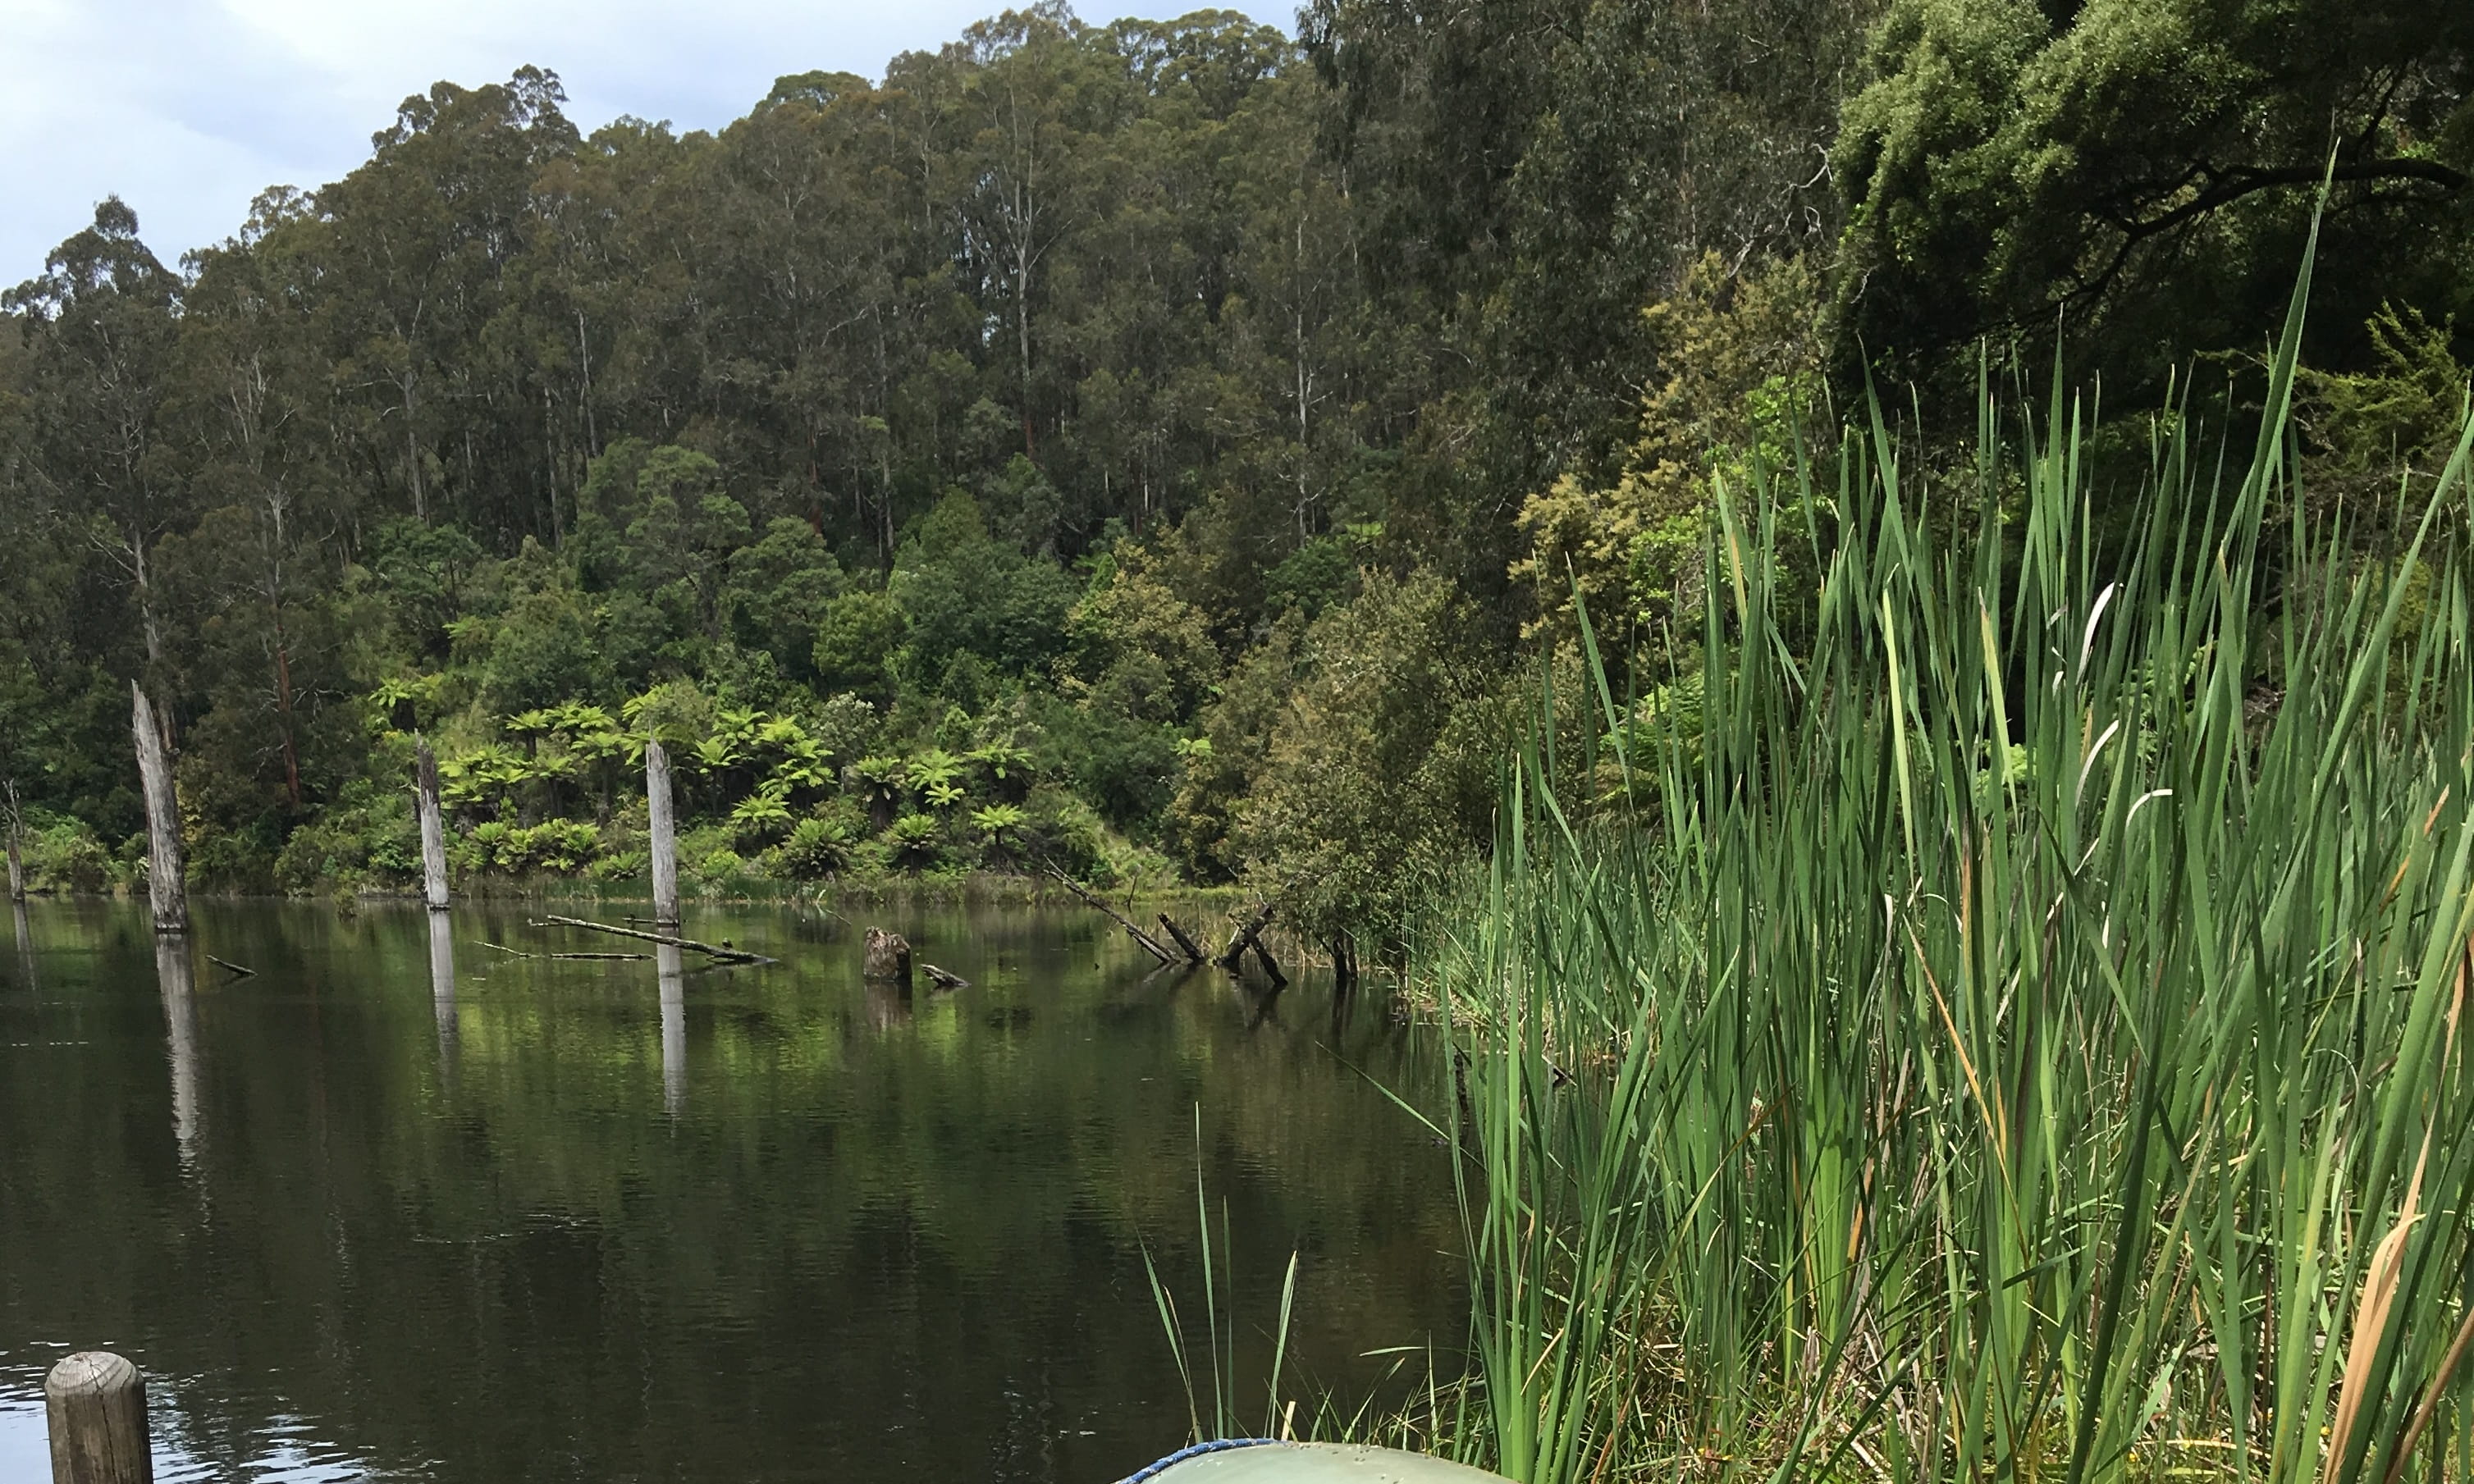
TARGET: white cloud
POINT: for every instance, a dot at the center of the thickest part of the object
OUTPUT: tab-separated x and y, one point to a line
186	108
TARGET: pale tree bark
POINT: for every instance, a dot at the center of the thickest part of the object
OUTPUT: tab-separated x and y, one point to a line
17	849
166	888
433	828
664	837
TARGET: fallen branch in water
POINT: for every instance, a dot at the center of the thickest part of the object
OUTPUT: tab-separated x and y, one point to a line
1193	954
724	954
943	979
624	958
1149	944
240	970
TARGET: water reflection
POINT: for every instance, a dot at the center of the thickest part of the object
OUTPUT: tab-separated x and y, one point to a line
175	975
889	1004
675	1027
442	985
25	945
892	1238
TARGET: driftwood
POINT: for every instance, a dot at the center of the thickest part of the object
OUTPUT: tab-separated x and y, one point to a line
237	970
1193	954
1246	936
1151	944
724	954
943	979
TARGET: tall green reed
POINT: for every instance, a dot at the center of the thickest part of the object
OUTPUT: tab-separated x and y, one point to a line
1220	1327
2017	1031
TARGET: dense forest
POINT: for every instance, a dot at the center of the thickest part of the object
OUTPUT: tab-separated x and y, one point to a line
1170	451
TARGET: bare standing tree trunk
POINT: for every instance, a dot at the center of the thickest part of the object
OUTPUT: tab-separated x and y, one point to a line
664	837
433	828
16	851
164	888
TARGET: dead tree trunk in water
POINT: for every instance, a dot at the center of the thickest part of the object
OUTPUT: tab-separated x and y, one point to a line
1245	938
16	854
886	957
433	828
1344	962
665	836
164	888
1193	953
1149	944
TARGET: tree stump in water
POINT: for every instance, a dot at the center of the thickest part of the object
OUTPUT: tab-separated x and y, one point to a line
887	958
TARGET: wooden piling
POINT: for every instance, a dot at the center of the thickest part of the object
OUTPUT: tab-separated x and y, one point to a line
664	837
433	826
94	1403
165	890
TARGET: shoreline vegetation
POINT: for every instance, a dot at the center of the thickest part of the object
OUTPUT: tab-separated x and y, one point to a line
2014	1024
1802	572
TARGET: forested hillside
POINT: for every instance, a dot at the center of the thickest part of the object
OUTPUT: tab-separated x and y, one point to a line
1161	448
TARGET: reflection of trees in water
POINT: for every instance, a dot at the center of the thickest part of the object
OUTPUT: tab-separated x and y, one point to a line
863	1215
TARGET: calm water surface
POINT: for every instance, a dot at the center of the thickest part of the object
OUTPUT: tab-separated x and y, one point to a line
367	1215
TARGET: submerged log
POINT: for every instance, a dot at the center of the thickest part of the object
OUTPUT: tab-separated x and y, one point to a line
887	958
1263	956
433	826
165	890
1151	944
943	979
724	954
661	834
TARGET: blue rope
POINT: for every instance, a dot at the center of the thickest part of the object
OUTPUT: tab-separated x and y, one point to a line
1217	1446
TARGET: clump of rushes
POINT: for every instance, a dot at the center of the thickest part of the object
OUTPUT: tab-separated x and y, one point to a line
2021	1031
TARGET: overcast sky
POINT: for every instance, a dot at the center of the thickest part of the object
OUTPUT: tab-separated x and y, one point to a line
187	108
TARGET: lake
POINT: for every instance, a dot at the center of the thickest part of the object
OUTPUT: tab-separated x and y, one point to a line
367	1216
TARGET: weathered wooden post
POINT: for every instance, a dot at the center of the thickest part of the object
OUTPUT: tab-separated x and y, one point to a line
164	888
16	853
94	1403
669	970
887	958
664	837
433	826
